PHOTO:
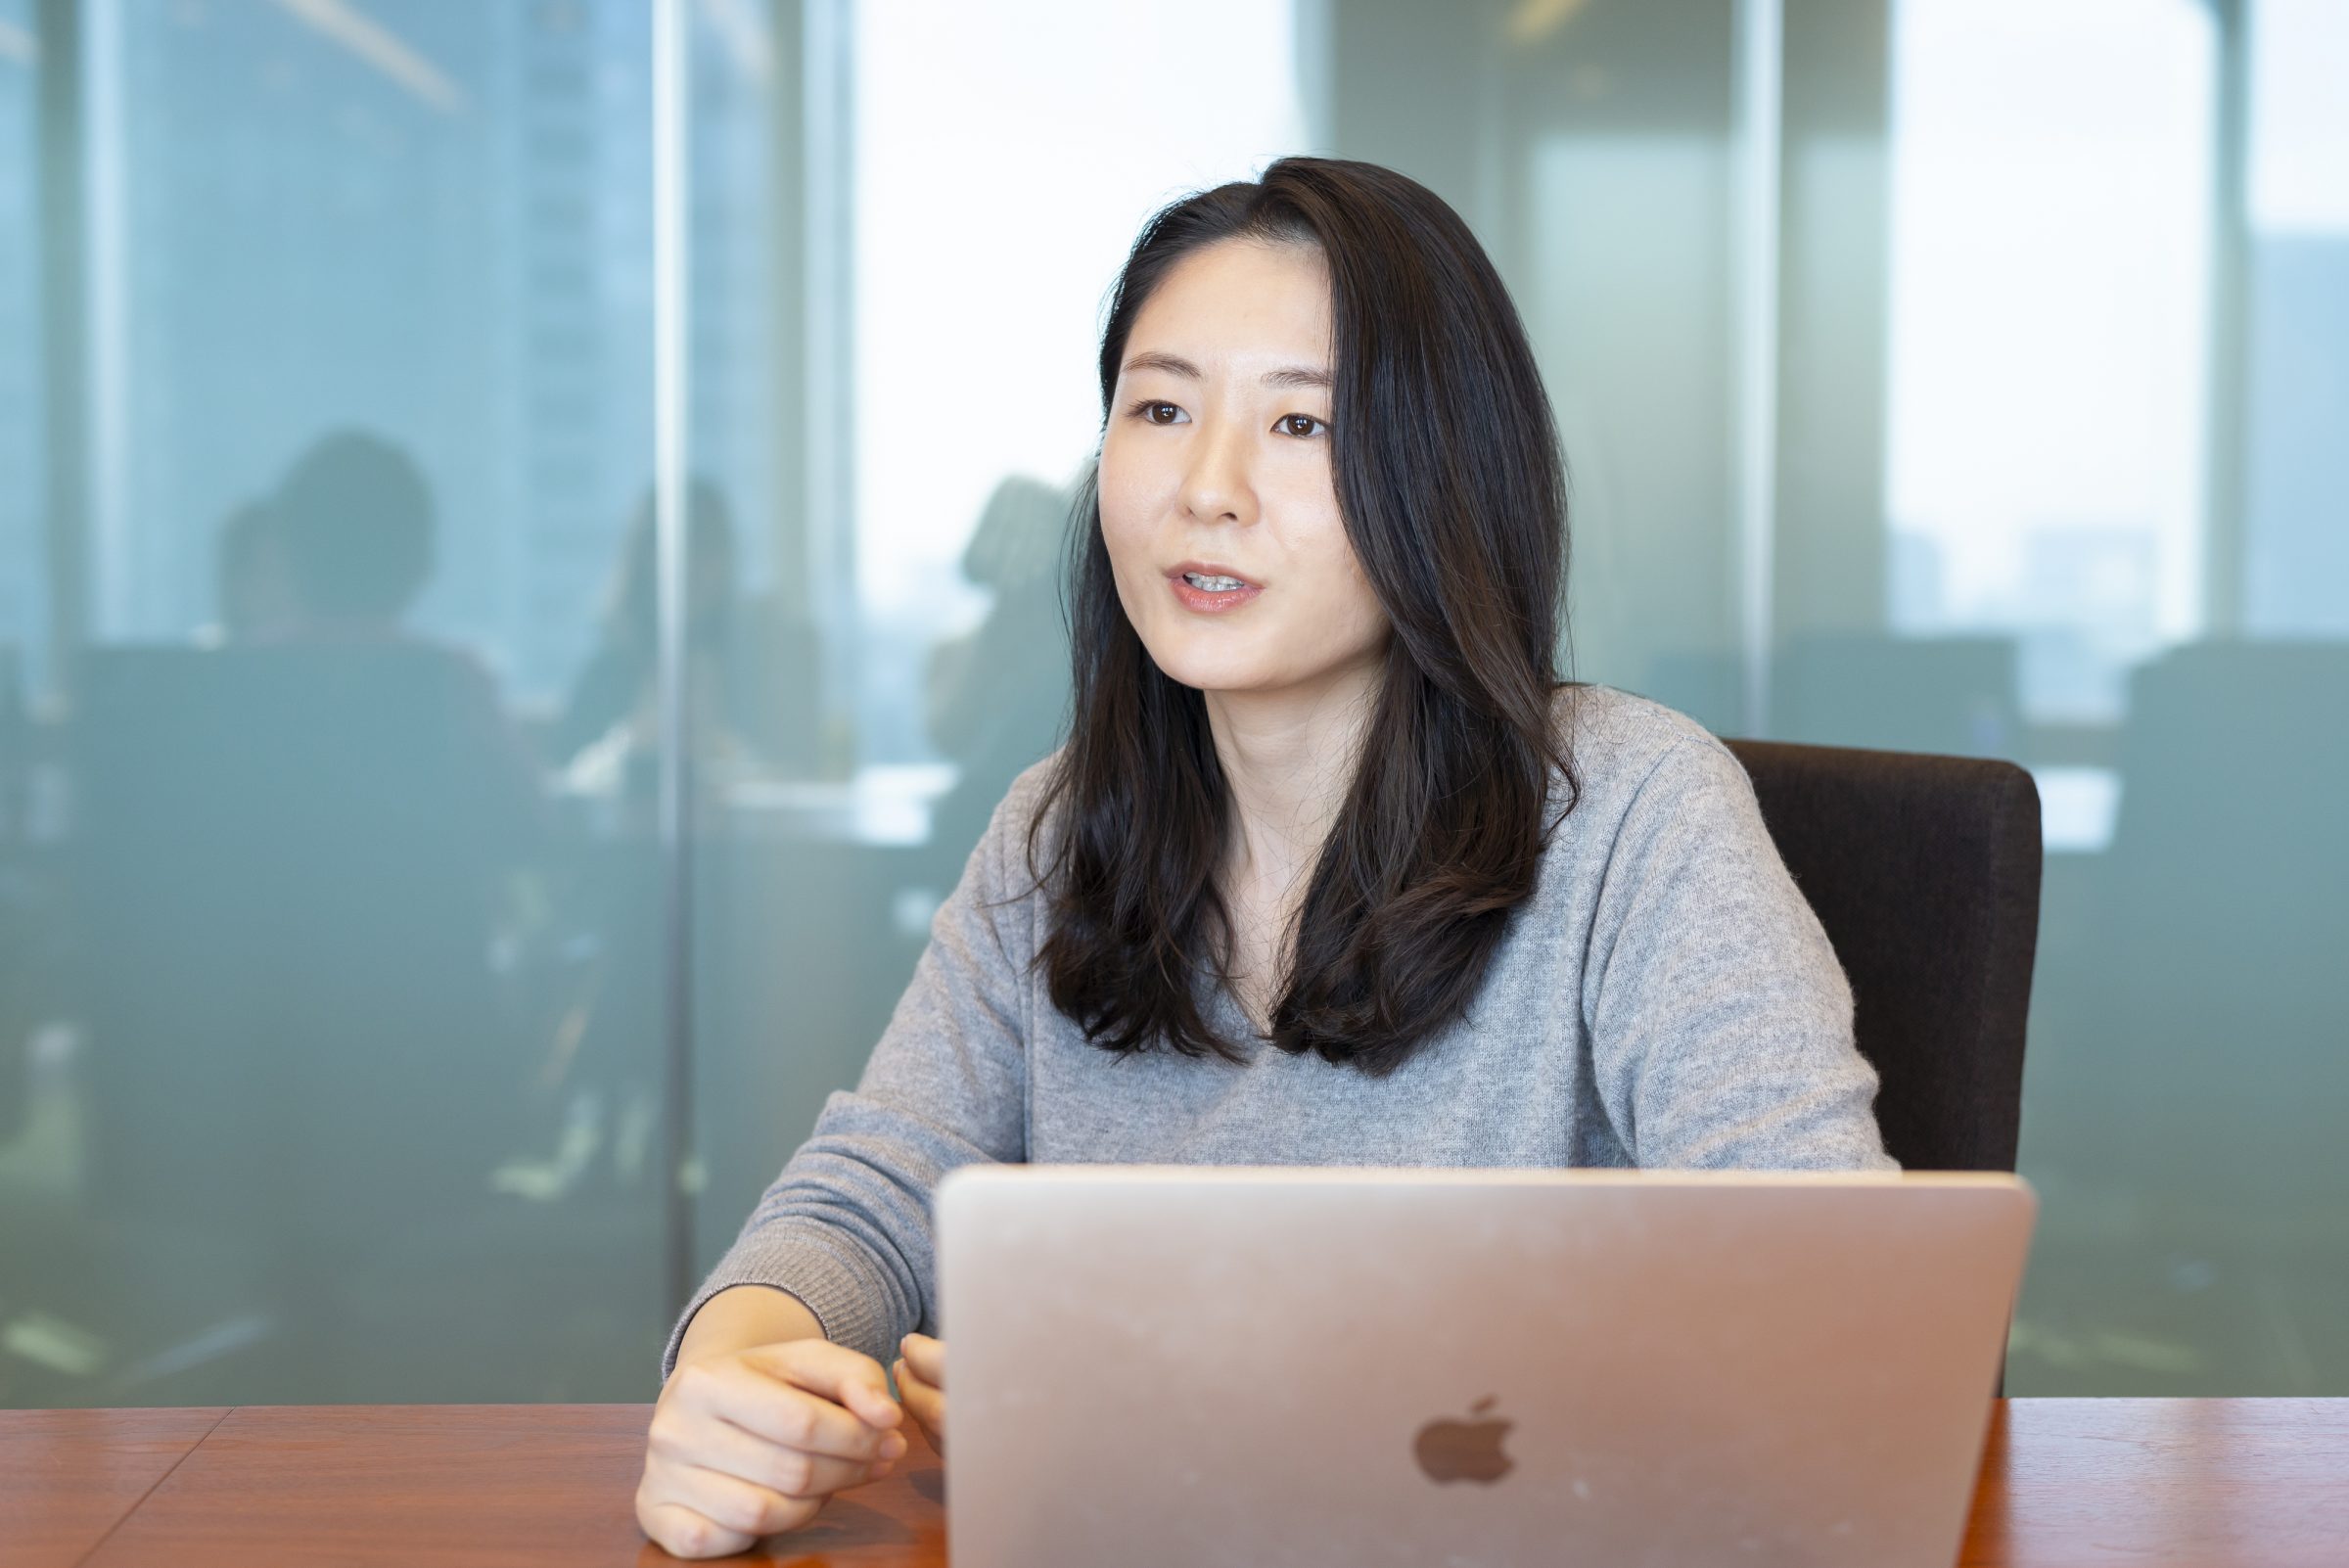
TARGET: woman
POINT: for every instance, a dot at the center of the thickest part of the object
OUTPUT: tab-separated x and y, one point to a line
1333	869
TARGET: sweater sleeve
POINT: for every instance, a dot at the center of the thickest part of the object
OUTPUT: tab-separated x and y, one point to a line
847	1227
1720	1020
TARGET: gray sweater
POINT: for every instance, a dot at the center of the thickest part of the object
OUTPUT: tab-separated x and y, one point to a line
1664	999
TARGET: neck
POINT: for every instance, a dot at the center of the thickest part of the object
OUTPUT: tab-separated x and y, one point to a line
1288	758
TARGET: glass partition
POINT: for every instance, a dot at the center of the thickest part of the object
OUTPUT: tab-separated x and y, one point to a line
314	952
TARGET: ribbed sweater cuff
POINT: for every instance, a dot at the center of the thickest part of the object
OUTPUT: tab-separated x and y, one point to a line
827	1271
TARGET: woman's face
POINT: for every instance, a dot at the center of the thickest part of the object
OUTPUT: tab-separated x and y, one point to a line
1215	467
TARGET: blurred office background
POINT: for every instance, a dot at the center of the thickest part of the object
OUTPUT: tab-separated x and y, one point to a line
526	546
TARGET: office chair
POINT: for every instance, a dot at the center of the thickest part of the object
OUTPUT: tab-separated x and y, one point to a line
1925	871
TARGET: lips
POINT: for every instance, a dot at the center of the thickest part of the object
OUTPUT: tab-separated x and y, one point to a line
1210	601
1210	569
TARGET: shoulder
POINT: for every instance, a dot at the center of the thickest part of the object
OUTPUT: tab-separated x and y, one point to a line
1026	797
1002	857
1628	750
1657	795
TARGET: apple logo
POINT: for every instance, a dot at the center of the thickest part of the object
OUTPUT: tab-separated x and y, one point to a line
1465	1451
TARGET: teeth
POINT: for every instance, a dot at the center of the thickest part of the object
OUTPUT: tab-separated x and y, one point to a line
1206	585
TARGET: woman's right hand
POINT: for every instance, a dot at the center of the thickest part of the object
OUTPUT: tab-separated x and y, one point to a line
749	1442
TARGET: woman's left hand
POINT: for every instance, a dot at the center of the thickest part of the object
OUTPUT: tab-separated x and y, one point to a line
921	1374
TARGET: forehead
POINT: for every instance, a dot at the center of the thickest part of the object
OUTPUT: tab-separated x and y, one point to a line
1239	300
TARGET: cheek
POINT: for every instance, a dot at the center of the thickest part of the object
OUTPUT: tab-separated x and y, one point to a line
1356	617
1345	605
1127	509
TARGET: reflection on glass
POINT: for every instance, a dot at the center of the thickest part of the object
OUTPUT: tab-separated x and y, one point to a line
286	866
315	1088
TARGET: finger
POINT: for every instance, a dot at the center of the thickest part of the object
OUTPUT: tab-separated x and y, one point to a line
926	1404
737	1505
927	1359
795	1473
929	1405
766	1407
852	1378
682	1533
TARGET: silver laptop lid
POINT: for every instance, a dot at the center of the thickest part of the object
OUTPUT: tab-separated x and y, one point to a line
1181	1365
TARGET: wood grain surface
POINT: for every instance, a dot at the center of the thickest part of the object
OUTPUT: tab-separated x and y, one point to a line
2148	1483
2260	1483
467	1486
66	1477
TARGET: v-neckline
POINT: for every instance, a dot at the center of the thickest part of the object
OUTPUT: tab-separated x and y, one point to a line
1235	1018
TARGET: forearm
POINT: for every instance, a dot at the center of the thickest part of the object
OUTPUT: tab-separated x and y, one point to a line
846	1225
743	1316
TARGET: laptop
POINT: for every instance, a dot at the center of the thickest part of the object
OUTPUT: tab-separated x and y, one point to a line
1186	1366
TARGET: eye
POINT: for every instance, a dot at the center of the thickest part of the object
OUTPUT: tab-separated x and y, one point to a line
1302	426
1152	411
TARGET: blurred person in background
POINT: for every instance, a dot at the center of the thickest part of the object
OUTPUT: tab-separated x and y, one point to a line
996	695
339	554
608	728
251	592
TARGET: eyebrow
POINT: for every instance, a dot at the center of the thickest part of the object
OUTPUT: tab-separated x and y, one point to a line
1176	365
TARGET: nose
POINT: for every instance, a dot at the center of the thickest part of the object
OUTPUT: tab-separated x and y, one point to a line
1217	487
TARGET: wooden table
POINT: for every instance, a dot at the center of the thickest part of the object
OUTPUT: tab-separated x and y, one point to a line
2243	1483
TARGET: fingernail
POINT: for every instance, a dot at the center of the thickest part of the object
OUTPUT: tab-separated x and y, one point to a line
892	1447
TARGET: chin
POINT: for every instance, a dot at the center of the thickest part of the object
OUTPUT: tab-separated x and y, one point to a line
1212	670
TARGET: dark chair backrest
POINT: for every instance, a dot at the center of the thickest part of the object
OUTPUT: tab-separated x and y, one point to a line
282	872
1925	871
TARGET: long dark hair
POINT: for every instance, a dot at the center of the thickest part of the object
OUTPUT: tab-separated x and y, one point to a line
1453	492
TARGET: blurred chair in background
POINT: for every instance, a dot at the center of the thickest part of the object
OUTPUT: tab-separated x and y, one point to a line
1956	696
2221	917
284	876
